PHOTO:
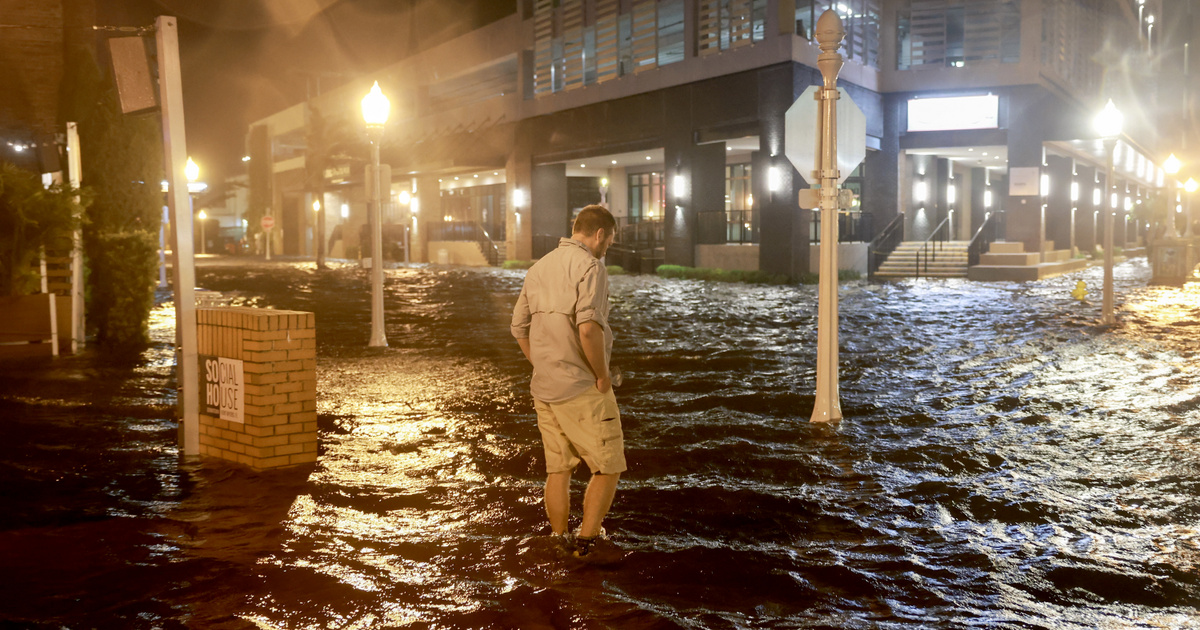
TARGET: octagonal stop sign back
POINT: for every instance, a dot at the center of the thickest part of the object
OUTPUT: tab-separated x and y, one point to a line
801	135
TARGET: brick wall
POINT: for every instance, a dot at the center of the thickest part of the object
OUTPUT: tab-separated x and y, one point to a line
279	354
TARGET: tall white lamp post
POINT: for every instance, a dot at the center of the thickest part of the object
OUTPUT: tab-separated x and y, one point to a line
203	216
1108	124
1171	167
375	107
1190	187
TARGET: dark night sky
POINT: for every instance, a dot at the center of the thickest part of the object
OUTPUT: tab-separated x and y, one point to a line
245	59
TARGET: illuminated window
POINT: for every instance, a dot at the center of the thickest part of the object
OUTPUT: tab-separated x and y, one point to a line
860	18
647	193
740	223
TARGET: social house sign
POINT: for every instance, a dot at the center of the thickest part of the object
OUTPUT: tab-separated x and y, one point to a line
222	388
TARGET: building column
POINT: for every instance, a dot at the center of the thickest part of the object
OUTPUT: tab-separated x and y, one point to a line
518	175
783	227
695	183
1059	213
550	218
1087	217
1023	214
428	198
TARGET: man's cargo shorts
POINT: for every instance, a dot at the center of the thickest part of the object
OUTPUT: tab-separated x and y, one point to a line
588	427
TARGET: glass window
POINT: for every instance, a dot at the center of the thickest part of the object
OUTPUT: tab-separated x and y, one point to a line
740	224
670	32
646	197
957	33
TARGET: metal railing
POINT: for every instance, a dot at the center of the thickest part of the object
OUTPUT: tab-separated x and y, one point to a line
468	231
932	245
883	245
853	227
983	237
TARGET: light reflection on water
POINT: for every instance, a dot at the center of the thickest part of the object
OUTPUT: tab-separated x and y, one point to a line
1005	462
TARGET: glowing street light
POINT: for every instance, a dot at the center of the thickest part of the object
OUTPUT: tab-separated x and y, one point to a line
1172	164
1108	124
375	109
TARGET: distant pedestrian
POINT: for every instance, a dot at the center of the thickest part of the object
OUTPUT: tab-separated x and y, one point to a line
561	323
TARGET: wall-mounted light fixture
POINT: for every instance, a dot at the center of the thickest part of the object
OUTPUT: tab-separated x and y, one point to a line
1045	188
951	193
316	205
345	211
920	191
416	205
774	179
679	186
404	197
1074	191
1097	197
518	198
987	198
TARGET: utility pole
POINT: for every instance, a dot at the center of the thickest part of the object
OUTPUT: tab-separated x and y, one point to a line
166	35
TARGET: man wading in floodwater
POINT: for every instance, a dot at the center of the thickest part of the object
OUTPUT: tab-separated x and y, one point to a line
561	324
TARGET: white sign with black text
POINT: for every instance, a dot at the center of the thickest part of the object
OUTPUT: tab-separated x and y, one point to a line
223	392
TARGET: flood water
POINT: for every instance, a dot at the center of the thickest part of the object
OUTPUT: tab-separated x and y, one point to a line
1004	463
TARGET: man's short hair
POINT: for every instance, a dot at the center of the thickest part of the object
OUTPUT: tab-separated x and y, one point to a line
592	218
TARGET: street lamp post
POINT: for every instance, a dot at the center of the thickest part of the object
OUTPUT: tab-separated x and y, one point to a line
203	241
1190	187
1171	167
375	108
1108	124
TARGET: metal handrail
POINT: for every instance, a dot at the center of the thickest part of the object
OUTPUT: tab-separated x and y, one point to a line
975	247
883	245
925	250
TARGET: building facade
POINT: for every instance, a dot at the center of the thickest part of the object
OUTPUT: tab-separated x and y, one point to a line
671	112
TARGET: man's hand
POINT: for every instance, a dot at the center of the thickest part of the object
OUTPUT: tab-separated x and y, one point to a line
524	343
591	337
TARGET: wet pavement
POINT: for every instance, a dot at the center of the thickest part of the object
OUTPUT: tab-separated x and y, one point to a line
1004	463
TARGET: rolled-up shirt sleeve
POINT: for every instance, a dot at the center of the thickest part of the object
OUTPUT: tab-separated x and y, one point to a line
521	317
589	295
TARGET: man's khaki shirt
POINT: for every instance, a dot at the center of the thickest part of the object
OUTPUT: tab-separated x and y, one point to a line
564	289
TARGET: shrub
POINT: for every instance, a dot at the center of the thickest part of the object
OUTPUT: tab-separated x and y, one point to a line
124	267
517	264
616	270
31	217
720	275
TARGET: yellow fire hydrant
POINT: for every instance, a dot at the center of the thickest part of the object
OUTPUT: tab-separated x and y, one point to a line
1080	292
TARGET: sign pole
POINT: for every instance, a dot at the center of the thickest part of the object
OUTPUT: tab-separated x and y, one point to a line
78	318
183	267
828	407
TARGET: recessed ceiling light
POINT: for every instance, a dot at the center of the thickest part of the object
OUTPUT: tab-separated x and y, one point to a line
583	166
648	158
970	149
614	161
985	153
728	148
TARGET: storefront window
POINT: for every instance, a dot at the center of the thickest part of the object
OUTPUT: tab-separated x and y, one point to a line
740	224
646	197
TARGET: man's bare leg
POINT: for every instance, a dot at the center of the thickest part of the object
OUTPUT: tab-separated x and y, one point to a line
596	501
558	500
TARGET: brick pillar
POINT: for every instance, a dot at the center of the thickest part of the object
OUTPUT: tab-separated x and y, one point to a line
276	393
